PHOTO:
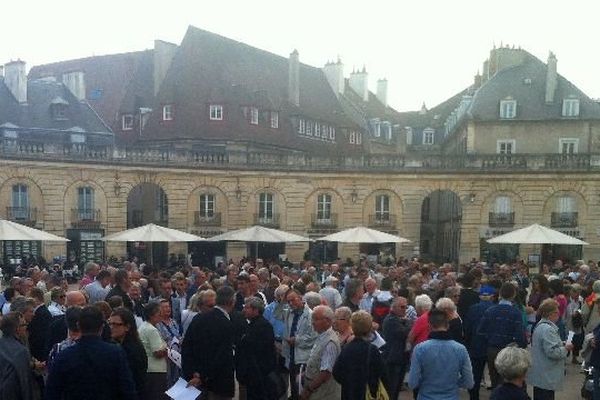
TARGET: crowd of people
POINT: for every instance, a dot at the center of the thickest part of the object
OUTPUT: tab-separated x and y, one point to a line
270	332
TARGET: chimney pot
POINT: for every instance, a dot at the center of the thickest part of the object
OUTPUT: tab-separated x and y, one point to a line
16	80
75	82
382	91
294	78
334	72
359	82
551	78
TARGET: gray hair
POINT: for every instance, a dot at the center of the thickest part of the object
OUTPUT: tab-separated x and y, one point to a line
327	312
255	303
21	304
89	266
281	291
195	302
512	362
423	302
312	299
344	312
445	304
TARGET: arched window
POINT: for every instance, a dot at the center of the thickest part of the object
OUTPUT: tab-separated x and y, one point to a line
502	205
382	208
20	202
324	207
207	205
266	207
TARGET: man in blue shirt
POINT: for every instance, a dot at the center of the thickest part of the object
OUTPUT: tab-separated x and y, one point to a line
439	366
502	325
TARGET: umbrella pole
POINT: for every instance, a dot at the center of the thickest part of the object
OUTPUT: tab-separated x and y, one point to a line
256	254
324	251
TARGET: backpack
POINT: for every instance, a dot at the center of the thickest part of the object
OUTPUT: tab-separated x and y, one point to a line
380	310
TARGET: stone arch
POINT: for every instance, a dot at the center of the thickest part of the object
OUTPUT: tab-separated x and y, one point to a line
221	208
488	204
72	212
279	219
36	209
380	221
337	207
549	208
441	220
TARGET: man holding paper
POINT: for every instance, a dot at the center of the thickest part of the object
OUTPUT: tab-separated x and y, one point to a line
207	350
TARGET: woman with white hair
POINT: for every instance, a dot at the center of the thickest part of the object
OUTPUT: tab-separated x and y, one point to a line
455	328
512	364
420	330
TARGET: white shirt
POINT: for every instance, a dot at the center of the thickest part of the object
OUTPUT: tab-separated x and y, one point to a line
55	309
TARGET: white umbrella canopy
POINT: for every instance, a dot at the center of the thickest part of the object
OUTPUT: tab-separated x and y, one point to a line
152	233
360	234
259	233
535	234
12	231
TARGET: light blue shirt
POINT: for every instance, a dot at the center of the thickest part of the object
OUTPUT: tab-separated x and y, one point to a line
439	368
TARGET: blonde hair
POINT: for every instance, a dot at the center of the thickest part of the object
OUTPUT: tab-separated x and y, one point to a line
362	323
547	307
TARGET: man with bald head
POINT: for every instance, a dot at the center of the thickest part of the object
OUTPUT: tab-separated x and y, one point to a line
58	326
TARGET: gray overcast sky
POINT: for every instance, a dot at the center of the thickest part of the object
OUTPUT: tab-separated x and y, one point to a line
428	50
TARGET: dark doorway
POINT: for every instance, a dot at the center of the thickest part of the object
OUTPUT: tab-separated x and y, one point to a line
147	203
441	217
266	251
207	254
498	253
323	251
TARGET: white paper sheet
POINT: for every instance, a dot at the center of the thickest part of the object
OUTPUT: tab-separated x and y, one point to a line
180	391
570	337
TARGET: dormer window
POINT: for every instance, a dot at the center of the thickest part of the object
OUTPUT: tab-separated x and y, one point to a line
332	133
508	109
570	108
167	114
77	138
355	137
216	112
254	115
301	126
127	122
386	130
274	119
59	111
376	127
428	136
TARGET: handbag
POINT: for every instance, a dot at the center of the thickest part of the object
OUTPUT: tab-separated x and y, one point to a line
381	393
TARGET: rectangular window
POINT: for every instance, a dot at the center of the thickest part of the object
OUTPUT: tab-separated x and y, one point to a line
265	206
332	133
254	115
568	145
565	204
353	137
207	206
570	108
358	137
309	128
317	129
20	202
376	129
382	207
387	130
274	119
161	211
167	112
508	109
216	112
301	126
409	135
324	131
85	203
502	205
428	136
508	146
324	207
127	122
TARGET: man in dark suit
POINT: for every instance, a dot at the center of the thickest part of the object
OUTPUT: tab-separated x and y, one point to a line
39	325
90	369
121	288
395	331
207	350
58	327
255	354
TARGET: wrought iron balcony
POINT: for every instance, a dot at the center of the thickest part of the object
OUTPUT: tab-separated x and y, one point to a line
85	217
214	219
382	220
269	221
324	221
501	219
22	215
564	220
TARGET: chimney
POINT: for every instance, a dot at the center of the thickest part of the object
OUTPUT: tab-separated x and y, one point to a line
382	91
477	80
334	72
551	78
163	55
294	79
75	82
1	71
16	80
423	109
359	82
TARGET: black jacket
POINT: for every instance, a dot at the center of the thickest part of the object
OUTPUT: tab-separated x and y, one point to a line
255	357
207	349
118	291
15	373
359	363
92	370
138	362
395	331
38	332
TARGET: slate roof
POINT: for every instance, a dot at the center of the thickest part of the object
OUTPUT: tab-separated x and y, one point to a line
211	69
530	97
107	79
36	114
